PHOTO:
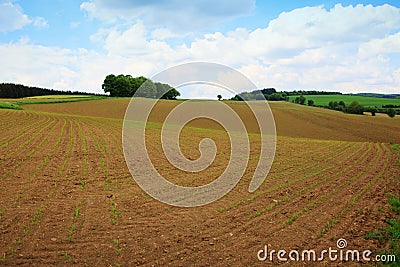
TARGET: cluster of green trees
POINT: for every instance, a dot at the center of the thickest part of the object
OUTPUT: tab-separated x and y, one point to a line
12	90
353	108
272	95
300	100
356	108
126	86
340	106
265	94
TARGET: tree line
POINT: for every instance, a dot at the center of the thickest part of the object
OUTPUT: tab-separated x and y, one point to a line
264	94
126	86
272	95
311	92
12	90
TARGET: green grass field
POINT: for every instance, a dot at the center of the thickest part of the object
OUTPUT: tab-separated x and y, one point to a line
9	105
58	96
323	100
48	99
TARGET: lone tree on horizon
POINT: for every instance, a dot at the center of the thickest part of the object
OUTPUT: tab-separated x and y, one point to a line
219	97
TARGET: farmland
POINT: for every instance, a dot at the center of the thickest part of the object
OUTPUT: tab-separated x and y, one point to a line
70	199
323	100
10	103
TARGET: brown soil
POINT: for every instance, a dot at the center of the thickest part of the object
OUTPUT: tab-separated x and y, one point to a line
291	119
69	198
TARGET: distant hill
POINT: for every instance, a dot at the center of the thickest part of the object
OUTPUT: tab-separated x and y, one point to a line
378	95
379	102
11	90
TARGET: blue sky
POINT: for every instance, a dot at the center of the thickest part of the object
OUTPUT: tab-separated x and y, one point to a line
350	46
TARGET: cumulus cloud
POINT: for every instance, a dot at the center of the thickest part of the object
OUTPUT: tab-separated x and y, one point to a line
65	69
12	17
175	15
306	48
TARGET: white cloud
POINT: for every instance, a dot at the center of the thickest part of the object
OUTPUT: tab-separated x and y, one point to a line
176	15
164	33
40	22
12	18
64	69
306	48
388	45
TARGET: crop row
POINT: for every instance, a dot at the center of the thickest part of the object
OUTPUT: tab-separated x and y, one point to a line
20	130
311	185
102	148
27	227
295	179
32	150
336	187
374	181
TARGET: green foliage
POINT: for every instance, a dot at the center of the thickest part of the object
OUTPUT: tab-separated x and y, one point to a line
355	108
114	212
11	90
394	203
323	100
391	112
265	94
127	86
219	97
300	100
117	247
148	89
268	91
47	100
390	234
66	255
310	102
396	147
57	96
335	105
10	105
276	97
165	91
378	235
245	96
373	110
122	85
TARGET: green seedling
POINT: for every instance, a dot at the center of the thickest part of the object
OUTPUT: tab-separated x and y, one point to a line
118	248
66	255
114	212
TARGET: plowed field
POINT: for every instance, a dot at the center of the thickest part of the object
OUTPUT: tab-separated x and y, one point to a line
68	197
